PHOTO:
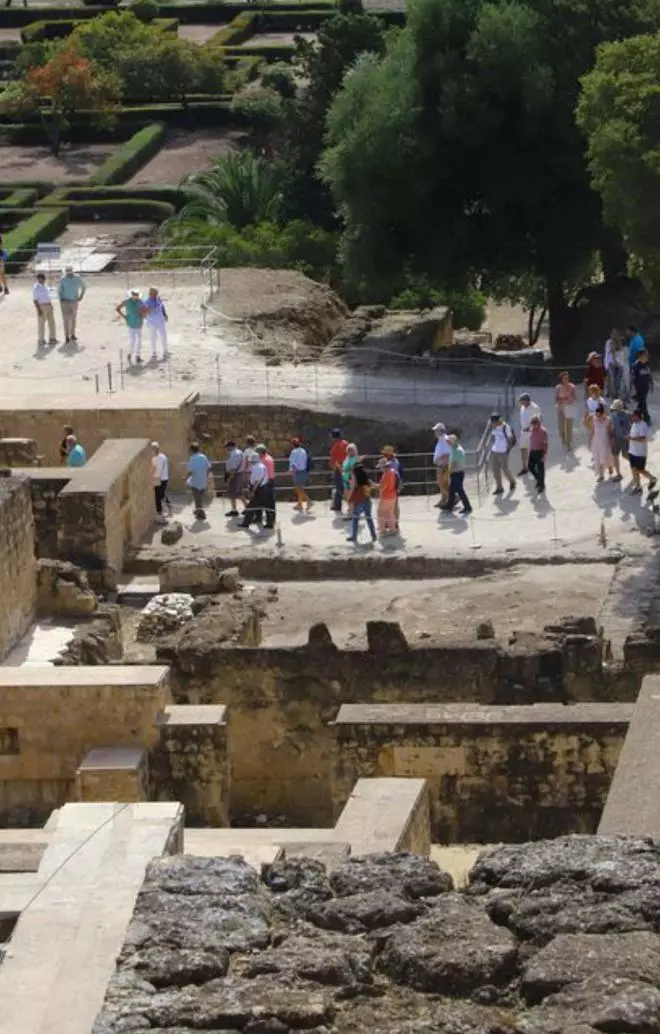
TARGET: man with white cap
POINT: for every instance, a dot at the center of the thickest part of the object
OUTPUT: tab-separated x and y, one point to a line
528	410
70	291
132	311
441	457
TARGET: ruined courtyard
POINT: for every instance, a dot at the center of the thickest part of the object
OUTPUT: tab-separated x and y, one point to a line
358	726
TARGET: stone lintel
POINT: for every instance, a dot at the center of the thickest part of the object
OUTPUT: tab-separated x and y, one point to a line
542	715
192	714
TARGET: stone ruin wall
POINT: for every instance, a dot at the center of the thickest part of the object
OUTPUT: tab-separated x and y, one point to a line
18	579
547	938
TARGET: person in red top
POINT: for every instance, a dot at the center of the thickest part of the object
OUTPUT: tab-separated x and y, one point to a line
595	373
538	449
388	492
338	447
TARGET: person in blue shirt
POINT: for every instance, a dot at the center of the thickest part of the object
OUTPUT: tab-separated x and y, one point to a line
76	455
199	466
636	344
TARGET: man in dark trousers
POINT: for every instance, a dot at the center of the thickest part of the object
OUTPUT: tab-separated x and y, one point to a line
642	379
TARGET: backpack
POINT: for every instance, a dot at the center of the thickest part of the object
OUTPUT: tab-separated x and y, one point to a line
310	463
510	436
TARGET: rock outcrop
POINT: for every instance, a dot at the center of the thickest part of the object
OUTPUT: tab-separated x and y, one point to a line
549	938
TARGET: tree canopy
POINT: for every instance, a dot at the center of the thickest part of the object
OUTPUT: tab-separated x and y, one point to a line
619	112
457	155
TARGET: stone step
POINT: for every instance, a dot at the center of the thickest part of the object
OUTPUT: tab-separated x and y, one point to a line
256	846
138	590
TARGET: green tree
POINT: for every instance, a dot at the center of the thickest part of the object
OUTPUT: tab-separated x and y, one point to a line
240	189
65	84
457	155
619	112
320	67
152	64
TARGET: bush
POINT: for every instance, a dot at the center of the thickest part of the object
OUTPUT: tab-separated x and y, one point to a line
145	10
468	307
131	156
23	197
264	51
41	226
259	108
238	31
173	197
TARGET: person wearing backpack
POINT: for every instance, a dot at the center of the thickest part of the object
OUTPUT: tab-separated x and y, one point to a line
502	441
359	498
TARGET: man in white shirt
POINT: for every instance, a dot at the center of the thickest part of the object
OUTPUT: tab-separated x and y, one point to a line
234	479
299	470
43	303
528	410
502	441
160	475
638	447
258	479
441	455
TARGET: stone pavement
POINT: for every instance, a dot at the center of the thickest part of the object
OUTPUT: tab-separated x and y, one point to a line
576	513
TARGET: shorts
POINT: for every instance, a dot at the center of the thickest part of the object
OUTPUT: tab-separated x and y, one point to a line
524	439
637	462
234	485
300	478
620	447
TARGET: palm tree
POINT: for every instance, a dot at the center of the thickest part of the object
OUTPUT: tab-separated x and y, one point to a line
241	188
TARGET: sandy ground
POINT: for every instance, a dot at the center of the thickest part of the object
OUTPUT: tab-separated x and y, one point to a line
199	33
76	162
457	859
10	35
184	152
434	610
100	233
280	39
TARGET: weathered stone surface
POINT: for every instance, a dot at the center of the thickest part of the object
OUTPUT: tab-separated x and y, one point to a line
571	958
63	588
237	922
163	615
181	874
229	580
322	960
359	912
415	877
178	967
190	576
612	1003
171	533
453	950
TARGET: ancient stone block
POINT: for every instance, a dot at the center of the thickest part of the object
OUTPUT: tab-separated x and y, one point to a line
192	763
19	452
63	588
230	580
97	642
171	533
18	581
190	576
386	637
319	637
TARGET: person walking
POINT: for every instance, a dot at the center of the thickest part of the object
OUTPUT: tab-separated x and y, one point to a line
4	255
595	372
63	448
601	442
132	312
269	487
45	315
299	470
348	464
234	477
388	492
636	343
502	441
441	454
538	450
620	419
249	452
642	379
70	291
156	320
528	409
258	500
616	365
160	476
457	478
199	467
336	457
594	400
359	499
566	405
76	455
638	445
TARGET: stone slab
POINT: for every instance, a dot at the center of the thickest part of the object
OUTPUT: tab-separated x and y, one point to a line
633	803
65	943
100	675
21	857
193	714
329	852
380	814
100	759
542	715
54	401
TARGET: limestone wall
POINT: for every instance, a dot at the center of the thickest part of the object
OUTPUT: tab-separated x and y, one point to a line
164	416
494	773
281	701
51	717
46	483
107	507
18	574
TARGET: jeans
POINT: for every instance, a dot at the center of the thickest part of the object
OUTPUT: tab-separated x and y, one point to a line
359	509
198	495
456	490
537	468
640	398
338	490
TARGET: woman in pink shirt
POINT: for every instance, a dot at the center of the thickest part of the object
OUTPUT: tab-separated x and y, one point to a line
538	448
269	464
566	403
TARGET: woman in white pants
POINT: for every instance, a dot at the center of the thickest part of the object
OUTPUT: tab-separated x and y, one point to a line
156	322
132	311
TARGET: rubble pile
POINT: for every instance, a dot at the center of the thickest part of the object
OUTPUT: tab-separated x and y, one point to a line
163	615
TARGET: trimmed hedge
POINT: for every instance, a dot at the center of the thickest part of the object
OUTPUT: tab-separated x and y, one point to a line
174	197
58	28
238	31
41	226
121	210
23	197
131	156
265	51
